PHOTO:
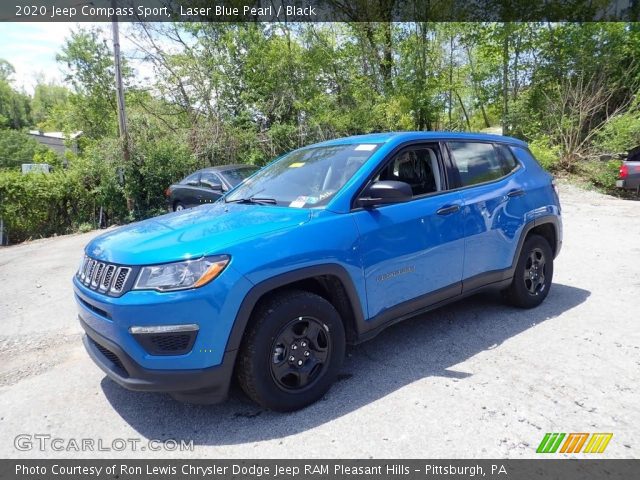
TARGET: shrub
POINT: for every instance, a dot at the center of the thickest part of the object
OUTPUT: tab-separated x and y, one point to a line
601	174
85	227
101	171
17	148
548	155
620	134
156	164
40	205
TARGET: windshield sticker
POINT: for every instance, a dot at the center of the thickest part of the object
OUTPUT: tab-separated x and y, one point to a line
296	165
367	147
299	202
325	194
312	200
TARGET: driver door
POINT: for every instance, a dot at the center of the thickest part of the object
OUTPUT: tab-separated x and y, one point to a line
412	253
211	188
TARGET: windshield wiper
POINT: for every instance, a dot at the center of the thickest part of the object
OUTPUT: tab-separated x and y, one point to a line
254	201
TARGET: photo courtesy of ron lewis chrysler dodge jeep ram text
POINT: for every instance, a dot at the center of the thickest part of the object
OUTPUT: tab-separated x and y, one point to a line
325	246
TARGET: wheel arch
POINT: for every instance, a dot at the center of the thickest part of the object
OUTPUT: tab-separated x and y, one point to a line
330	281
548	227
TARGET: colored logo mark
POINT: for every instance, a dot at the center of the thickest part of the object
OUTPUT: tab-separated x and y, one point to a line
573	442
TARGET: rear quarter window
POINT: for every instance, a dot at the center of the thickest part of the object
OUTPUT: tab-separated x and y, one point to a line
194	177
476	162
507	159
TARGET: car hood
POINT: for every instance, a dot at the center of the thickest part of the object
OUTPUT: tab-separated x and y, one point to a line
205	230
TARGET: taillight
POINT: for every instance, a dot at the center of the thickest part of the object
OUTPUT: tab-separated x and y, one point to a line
167	192
624	171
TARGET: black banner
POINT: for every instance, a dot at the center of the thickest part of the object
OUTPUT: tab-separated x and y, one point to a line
561	469
318	10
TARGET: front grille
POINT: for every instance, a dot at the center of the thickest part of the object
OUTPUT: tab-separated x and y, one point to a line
166	343
103	277
121	277
112	357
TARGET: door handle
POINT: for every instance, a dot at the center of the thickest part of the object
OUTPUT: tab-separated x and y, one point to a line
518	192
448	209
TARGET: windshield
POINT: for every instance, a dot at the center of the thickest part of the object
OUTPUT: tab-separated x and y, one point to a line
237	175
304	178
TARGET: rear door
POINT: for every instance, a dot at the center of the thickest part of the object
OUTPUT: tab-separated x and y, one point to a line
495	205
185	192
412	253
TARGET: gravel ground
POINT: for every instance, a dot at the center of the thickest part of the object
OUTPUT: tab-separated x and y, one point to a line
475	379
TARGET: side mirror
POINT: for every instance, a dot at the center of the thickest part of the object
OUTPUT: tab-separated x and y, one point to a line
213	186
385	192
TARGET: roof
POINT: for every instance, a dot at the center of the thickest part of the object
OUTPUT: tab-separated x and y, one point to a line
224	168
399	137
60	135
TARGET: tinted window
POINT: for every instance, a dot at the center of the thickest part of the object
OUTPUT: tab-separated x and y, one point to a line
476	162
194	177
507	160
210	179
416	166
236	175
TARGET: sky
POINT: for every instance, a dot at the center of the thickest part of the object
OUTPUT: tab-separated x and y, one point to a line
31	48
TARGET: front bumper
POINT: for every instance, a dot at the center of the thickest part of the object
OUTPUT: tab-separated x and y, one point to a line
199	373
208	385
212	307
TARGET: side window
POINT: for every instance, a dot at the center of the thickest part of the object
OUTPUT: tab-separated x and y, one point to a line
417	166
209	180
191	179
507	160
476	162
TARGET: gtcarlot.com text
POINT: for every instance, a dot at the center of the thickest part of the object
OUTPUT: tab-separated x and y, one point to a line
43	442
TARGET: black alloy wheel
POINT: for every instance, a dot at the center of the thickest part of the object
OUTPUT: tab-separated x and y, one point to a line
292	350
300	353
534	272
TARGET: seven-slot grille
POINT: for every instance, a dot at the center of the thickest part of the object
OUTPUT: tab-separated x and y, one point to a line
104	277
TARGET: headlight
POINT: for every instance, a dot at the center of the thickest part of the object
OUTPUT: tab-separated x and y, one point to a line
181	275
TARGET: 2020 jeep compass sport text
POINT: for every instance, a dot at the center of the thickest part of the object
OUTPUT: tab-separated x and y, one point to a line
325	246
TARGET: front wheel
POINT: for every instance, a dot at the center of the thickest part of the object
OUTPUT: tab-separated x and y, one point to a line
292	352
533	275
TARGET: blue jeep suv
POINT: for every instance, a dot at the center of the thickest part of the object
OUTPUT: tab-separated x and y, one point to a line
325	246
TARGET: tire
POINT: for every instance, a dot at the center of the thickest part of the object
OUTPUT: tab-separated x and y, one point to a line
292	351
533	274
178	206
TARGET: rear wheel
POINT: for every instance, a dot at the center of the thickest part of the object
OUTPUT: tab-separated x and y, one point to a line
292	351
533	275
178	206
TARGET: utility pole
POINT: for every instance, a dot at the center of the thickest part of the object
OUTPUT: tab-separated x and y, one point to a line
122	116
505	77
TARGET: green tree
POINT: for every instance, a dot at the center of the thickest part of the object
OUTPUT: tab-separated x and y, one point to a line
6	70
48	105
90	72
14	105
17	148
